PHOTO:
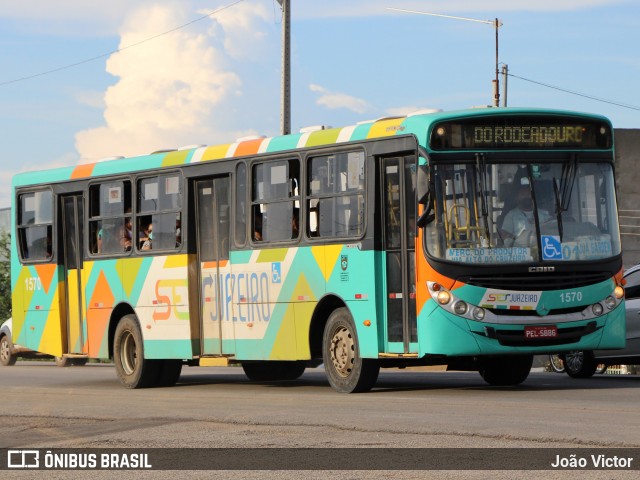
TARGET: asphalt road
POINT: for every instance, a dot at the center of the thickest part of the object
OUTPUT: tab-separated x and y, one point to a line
85	407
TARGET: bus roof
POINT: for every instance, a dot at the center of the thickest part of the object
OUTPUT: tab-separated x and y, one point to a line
385	127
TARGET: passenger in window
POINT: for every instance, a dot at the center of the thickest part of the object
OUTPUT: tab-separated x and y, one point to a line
294	223
126	234
146	236
99	241
257	227
178	232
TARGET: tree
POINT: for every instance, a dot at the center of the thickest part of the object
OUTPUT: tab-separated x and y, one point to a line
5	276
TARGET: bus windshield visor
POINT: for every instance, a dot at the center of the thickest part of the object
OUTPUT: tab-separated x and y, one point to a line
507	213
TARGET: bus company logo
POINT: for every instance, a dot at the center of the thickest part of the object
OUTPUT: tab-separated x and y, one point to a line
344	262
510	300
276	272
23	459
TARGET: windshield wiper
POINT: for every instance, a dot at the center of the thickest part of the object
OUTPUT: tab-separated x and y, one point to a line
556	194
481	167
562	190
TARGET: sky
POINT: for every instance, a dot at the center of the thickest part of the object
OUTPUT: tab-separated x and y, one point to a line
82	81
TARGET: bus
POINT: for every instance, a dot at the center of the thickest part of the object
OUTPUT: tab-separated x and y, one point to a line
472	239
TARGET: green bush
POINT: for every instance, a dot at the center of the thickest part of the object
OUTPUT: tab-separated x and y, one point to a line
5	276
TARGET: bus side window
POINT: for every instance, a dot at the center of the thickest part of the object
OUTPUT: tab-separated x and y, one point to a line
275	199
110	217
335	190
35	225
159	220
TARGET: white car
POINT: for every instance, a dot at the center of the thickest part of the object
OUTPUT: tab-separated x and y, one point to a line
9	352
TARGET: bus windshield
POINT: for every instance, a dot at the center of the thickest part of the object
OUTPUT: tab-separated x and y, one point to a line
510	213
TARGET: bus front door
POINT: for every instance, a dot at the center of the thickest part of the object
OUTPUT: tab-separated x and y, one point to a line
216	283
398	178
72	257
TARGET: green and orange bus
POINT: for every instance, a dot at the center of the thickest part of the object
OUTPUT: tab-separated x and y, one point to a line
473	239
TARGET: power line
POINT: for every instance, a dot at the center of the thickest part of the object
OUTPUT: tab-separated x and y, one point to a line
97	57
611	102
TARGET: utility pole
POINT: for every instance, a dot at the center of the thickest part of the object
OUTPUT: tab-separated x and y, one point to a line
496	100
505	75
285	100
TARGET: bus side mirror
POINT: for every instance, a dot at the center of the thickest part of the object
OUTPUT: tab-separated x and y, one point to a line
422	187
423	194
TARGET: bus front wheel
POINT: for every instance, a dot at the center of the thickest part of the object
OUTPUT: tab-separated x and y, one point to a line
134	371
506	370
346	371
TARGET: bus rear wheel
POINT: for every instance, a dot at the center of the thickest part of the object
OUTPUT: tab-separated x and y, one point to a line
134	371
508	370
347	372
266	371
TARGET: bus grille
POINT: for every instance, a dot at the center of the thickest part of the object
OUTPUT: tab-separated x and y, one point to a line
536	281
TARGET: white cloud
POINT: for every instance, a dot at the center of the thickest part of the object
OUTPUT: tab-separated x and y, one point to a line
334	100
244	28
93	99
167	88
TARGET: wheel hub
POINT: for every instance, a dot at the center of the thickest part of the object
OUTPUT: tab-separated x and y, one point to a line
128	356
342	351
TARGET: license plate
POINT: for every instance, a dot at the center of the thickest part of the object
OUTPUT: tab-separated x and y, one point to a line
535	333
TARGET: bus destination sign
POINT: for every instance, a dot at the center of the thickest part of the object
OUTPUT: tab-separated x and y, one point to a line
521	133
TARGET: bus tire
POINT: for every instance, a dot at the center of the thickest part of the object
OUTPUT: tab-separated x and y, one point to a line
580	364
63	362
169	372
7	357
274	370
508	370
80	362
346	371
134	371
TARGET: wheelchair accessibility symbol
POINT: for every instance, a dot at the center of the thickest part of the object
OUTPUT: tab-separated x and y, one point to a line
276	272
551	247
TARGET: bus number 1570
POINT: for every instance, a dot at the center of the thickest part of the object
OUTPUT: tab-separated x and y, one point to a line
570	297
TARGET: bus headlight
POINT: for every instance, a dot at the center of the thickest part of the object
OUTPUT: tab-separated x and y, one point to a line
618	292
597	309
478	313
610	302
444	297
460	307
